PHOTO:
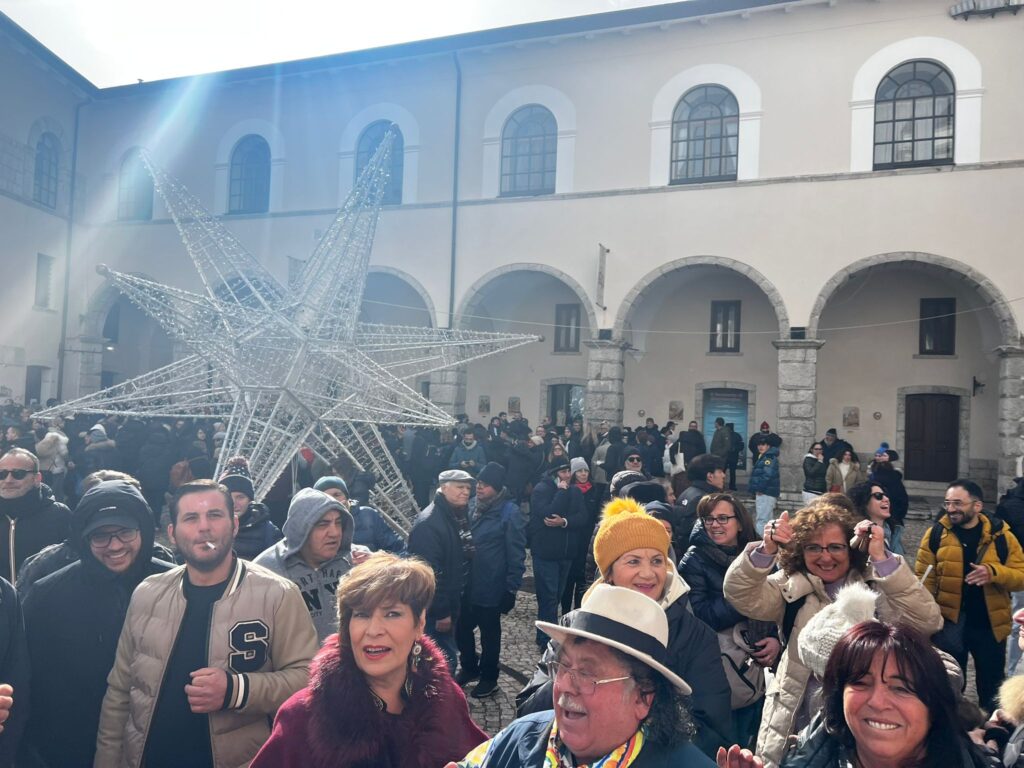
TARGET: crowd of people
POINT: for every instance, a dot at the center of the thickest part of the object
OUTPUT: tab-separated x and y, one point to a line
674	627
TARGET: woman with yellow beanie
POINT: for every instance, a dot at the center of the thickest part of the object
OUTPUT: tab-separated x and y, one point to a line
631	549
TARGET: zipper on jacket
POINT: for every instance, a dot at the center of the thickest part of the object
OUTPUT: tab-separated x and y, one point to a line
10	546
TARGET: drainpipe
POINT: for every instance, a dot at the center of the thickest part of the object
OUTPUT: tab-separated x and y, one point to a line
455	188
62	348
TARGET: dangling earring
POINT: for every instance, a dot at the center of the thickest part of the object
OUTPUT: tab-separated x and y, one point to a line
417	649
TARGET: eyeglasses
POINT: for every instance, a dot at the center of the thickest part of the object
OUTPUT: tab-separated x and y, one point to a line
878	496
833	549
17	474
125	536
949	503
581	681
718	519
633	460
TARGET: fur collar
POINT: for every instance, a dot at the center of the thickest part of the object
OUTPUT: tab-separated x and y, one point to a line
347	728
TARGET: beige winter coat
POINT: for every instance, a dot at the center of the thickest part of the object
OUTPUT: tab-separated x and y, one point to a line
758	593
260	634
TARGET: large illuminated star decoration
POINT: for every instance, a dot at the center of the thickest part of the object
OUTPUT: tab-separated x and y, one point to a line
290	366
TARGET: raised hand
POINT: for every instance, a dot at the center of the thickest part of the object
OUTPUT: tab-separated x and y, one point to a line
777	533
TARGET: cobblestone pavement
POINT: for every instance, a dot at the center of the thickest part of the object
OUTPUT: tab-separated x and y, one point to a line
519	653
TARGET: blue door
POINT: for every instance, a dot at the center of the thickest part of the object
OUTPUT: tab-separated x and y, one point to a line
731	406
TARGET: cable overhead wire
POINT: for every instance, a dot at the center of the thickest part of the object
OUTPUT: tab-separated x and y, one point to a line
704	332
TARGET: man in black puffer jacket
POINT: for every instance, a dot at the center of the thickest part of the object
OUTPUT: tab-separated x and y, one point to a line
1011	511
441	536
706	472
73	621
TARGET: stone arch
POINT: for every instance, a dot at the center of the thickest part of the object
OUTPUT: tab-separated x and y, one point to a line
962	65
1009	330
474	294
413	283
47	124
964	433
748	98
560	105
407	124
762	282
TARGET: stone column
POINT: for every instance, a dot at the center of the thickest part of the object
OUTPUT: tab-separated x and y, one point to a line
89	352
606	374
798	410
448	389
1011	414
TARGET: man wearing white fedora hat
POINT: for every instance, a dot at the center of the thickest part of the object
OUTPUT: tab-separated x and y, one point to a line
615	701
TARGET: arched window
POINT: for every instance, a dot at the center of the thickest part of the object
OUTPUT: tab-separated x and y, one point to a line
134	190
529	148
914	107
705	136
47	171
250	176
369	140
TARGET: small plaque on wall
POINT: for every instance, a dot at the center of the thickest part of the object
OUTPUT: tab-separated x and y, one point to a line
675	410
851	416
484	407
514	406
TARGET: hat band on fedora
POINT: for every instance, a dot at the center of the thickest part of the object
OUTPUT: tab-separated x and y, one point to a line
620	633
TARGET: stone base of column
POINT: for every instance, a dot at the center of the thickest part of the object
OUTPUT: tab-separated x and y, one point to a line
606	373
448	390
1011	415
798	411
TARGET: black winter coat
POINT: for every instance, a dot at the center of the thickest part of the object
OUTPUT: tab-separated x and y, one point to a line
1011	508
38	522
686	507
499	557
692	444
14	670
814	474
435	538
522	467
73	620
548	499
156	457
703	568
256	532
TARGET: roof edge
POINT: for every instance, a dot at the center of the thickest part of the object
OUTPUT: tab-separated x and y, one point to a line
11	28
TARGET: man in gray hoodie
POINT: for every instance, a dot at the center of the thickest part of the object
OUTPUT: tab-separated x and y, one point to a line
315	553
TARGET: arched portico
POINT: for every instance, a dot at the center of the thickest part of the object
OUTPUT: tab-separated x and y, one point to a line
973	378
520	298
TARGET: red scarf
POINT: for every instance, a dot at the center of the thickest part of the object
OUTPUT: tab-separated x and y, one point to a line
584	487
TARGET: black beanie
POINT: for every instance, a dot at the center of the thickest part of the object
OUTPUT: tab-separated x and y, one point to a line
236	477
493	474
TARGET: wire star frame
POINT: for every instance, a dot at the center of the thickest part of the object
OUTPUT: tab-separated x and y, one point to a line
288	367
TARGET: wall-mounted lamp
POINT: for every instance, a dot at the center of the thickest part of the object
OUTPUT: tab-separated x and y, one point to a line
976	386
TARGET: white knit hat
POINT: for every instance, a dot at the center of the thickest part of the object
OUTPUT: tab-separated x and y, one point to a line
854	603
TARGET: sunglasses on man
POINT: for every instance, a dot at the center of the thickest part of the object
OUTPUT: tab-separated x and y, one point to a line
17	474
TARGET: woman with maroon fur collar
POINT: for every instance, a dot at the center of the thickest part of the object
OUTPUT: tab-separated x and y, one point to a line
380	695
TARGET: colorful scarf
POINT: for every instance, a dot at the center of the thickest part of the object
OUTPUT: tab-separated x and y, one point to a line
559	756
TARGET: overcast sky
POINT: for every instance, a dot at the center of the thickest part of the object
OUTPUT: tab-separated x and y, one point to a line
113	42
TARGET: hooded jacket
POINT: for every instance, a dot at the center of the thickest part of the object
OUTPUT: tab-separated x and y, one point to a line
764	477
72	619
317	585
499	543
37	520
256	532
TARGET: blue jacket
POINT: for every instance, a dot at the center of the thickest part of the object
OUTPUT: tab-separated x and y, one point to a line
499	543
764	478
373	532
461	453
524	742
547	542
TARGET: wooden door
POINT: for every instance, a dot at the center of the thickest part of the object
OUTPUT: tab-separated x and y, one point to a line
933	438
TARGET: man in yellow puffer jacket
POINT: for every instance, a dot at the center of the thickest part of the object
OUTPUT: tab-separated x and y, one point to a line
972	575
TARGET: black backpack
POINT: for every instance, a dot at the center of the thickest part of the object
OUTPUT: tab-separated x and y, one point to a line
998	536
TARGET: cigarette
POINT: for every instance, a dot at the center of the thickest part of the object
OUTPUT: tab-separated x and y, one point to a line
210	544
927	571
